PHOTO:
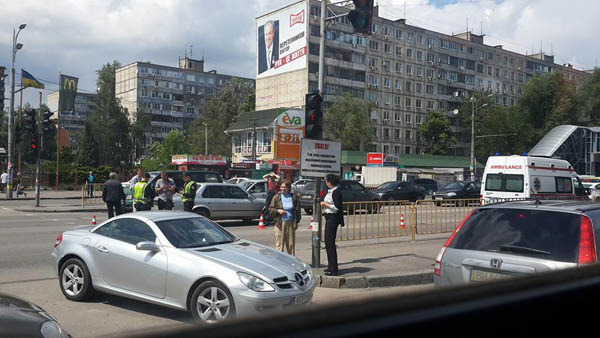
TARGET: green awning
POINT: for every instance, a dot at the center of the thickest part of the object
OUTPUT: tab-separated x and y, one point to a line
413	161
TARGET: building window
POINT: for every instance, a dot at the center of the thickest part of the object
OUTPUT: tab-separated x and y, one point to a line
398	84
386	65
398	103
409	69
407	135
418	87
398	51
386	115
397	115
386	48
407	104
408	86
398	34
373	45
386	82
398	67
419	55
386	100
409	53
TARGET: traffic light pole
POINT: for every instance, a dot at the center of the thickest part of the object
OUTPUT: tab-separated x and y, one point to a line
40	128
316	240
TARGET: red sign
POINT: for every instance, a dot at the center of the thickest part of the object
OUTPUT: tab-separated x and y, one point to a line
375	159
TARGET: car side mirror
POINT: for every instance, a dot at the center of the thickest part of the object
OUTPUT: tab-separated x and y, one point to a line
251	197
147	246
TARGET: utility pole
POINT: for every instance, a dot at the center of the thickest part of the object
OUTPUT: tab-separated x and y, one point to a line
253	139
40	130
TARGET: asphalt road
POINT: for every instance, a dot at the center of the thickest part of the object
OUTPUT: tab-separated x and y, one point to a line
26	240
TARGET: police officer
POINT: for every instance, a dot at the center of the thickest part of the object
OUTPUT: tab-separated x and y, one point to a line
141	194
189	192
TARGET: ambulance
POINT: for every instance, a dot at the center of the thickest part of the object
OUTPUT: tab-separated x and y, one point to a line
523	177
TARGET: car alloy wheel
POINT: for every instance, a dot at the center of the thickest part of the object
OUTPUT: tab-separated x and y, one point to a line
212	303
75	281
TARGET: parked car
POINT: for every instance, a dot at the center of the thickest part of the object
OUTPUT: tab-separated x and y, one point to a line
224	201
127	206
20	318
237	180
512	239
352	191
428	184
457	190
182	261
592	190
299	184
255	187
400	191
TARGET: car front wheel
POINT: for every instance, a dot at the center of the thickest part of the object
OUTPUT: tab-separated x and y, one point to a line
212	302
75	281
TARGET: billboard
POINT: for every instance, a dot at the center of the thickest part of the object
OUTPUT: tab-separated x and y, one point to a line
67	92
290	130
320	158
281	41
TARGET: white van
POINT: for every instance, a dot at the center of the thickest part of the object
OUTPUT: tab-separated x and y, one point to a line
523	177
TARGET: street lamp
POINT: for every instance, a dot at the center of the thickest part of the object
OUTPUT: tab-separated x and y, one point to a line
15	47
205	138
473	110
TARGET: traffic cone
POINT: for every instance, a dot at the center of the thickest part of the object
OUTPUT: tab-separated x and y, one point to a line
402	226
94	220
261	222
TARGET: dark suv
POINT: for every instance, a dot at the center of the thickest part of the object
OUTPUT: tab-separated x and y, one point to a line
352	191
512	239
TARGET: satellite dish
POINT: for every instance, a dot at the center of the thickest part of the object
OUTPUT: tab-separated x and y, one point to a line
455	112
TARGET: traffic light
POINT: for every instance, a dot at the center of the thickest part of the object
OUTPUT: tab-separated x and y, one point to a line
313	116
2	76
46	122
361	17
29	121
34	145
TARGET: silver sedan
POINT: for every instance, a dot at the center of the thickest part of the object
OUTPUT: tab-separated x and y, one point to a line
179	260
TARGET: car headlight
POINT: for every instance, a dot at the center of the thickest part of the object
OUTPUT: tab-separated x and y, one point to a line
254	283
51	329
451	194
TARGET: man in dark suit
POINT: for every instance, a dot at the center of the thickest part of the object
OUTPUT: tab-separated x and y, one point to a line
113	194
268	45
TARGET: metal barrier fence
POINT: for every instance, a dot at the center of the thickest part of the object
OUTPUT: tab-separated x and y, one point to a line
91	194
383	219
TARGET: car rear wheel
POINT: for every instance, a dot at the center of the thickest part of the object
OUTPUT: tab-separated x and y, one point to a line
202	212
211	303
75	280
308	211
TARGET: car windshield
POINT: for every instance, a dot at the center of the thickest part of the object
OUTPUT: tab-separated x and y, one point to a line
195	232
387	186
454	185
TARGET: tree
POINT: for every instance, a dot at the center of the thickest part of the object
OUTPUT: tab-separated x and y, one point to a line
159	155
347	121
437	132
221	111
502	130
88	151
588	100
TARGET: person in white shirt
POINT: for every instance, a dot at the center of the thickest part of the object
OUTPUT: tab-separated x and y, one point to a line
3	178
334	216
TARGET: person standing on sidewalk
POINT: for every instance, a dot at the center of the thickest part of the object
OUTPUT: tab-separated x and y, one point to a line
334	216
112	195
141	194
188	196
3	179
165	187
271	179
134	180
285	215
90	182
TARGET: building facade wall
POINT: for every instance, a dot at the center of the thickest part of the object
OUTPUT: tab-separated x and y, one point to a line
85	104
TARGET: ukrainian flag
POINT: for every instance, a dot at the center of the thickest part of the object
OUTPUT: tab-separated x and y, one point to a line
29	81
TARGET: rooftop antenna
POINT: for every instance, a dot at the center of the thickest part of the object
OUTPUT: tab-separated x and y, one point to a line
551	49
185	51
404	9
481	30
467	25
191	52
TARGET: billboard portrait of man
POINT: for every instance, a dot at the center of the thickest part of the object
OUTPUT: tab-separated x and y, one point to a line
268	45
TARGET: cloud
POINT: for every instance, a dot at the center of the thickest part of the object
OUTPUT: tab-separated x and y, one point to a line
77	37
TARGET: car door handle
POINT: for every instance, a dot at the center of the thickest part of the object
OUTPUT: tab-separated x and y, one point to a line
102	249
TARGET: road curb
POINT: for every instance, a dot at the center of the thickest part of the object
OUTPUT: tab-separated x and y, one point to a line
61	210
379	281
42	198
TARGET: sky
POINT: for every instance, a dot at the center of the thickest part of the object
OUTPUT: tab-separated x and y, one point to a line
76	37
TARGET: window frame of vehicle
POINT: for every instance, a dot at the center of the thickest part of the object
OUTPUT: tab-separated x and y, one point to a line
127	223
242	194
209	189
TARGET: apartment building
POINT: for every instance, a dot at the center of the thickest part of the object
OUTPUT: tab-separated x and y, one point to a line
73	122
406	71
174	96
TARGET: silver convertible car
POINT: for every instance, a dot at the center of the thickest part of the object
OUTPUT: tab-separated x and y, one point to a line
180	260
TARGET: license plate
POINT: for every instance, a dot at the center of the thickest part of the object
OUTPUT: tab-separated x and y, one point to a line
439	198
307	197
482	275
301	299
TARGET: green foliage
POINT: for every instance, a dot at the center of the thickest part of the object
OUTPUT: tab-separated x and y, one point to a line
158	155
437	132
347	121
221	111
589	100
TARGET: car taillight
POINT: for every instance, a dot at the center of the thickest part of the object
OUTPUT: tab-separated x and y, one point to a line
437	270
322	194
58	240
587	247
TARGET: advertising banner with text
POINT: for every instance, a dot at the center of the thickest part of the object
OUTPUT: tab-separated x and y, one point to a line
320	158
290	130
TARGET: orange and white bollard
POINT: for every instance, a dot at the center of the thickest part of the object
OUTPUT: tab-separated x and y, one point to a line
402	226
261	222
94	220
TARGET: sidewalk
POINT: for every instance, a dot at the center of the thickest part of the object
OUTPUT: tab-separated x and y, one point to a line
47	195
380	262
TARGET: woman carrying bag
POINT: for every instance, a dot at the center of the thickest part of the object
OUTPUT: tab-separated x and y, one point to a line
334	216
285	215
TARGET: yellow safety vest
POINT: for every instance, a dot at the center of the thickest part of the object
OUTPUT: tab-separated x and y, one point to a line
138	193
186	190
